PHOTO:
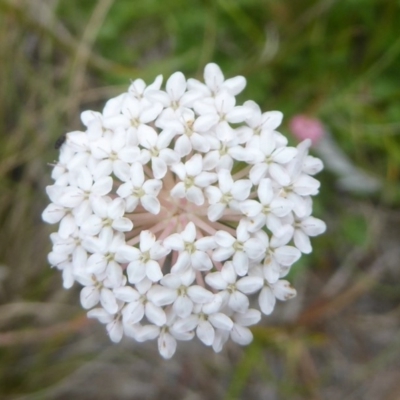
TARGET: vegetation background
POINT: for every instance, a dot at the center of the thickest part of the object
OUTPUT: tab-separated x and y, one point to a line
335	60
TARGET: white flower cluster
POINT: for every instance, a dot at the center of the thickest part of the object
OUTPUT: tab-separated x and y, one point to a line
174	206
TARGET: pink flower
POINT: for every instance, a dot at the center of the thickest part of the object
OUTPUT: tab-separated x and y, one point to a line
304	127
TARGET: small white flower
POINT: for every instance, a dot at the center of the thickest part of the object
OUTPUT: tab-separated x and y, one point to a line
205	320
222	108
107	214
269	159
268	210
193	180
143	261
156	149
192	252
178	290
232	290
281	290
242	249
136	190
227	193
139	305
215	81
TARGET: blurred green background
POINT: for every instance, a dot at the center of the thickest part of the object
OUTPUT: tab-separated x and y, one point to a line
335	60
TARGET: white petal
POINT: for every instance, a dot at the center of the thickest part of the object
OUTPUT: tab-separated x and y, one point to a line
96	264
287	255
183	146
189	233
161	296
114	274
107	300
127	253
224	239
199	294
176	85
205	179
250	284
158	251
71	197
115	331
153	271
302	241
241	335
155	314
225	180
133	312
147	239
251	208
205	243
216	281
279	174
266	300
201	261
136	271
205	122
228	273
174	242
182	262
199	143
221	321
306	185
171	281
283	290
284	154
213	194
53	213
238	114
152	187
122	224
271	120
166	345
257	172
67	226
151	204
147	332
213	76
238	302
223	253
126	293
89	297
254	248
250	317
205	332
186	324
92	225
313	226
241	189
102	186
159	167
137	174
241	263
194	165
195	195
215	211
183	306
235	85
178	190
213	306
220	339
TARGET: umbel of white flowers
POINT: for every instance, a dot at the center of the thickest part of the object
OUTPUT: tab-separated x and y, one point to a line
174	206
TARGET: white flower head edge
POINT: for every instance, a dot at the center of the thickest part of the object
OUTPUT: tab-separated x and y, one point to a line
180	212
